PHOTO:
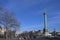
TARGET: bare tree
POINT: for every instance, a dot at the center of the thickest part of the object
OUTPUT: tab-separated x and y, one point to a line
8	20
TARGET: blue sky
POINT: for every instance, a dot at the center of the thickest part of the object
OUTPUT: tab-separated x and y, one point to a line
30	13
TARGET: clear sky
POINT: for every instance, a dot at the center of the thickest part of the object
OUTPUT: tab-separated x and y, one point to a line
30	13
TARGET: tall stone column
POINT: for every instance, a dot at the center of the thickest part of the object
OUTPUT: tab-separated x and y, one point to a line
45	30
45	23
